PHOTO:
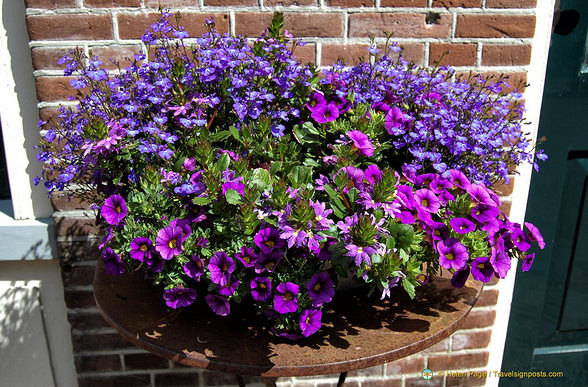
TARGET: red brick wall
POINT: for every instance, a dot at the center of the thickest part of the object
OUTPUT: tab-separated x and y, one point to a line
491	36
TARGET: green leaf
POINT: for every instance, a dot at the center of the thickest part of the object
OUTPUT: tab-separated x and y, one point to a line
233	197
202	201
235	132
300	175
223	162
220	136
409	287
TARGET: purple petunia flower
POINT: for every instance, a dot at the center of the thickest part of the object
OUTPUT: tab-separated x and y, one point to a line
480	194
325	113
285	298
112	262
395	122
179	297
361	142
373	174
233	183
482	269
184	224
427	200
534	235
114	209
528	262
221	266
483	213
462	225
310	321
261	289
141	248
452	254
268	240
218	304
500	260
460	277
320	288
229	288
169	242
194	268
519	238
268	262
459	179
247	256
317	101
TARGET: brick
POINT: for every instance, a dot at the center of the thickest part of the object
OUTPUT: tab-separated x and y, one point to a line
51	4
98	342
488	297
350	3
457	3
117	53
46	114
442	346
69	27
506	207
403	3
133	26
470	340
466	381
45	58
78	276
351	383
211	378
97	363
289	3
74	252
54	88
75	226
306	54
112	3
145	361
171	3
64	202
511	3
376	371
381	383
495	26
503	189
79	299
224	3
315	24
436	381
452	54
176	379
349	53
402	25
503	55
114	380
85	321
479	319
405	366
458	361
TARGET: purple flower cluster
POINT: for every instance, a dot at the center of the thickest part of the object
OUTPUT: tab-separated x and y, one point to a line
231	173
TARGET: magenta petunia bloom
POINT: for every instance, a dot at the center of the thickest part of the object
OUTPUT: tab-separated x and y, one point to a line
285	298
316	102
194	268
324	252
480	194
427	200
261	289
483	213
534	235
462	225
459	179
184	224
395	122
155	262
460	277
452	254
482	269
179	297
519	238
500	261
325	113
141	248
247	256
169	242
361	142
112	262
229	288
114	210
320	288
355	178
268	240
218	304
268	262
310	321
221	266
528	262
373	174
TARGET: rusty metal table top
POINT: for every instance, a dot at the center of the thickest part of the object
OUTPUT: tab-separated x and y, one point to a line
358	333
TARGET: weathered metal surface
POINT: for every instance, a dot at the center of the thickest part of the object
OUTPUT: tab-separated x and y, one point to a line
357	333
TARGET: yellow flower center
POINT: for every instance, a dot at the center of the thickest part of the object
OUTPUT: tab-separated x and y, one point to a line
270	265
449	256
317	287
288	296
425	203
269	243
225	267
246	259
172	243
118	210
262	285
144	247
480	266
